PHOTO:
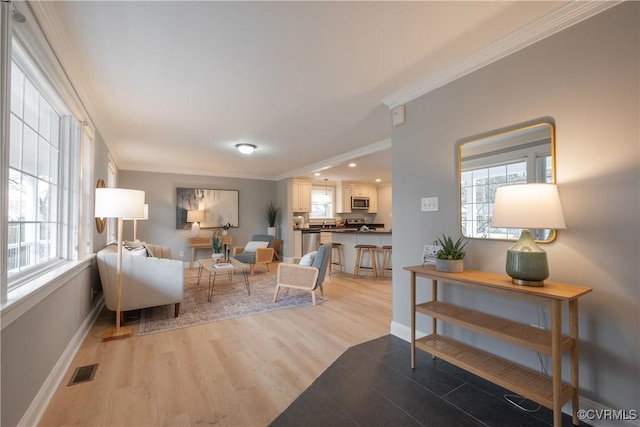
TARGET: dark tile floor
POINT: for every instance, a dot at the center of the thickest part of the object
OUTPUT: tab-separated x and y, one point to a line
372	384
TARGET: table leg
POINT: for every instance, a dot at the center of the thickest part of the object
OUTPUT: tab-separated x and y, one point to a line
573	333
413	319
434	320
200	274
211	285
556	360
245	274
193	254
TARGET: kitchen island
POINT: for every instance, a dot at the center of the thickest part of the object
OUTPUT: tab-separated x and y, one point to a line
351	237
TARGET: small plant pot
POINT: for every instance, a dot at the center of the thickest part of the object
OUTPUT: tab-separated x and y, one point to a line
450	265
217	257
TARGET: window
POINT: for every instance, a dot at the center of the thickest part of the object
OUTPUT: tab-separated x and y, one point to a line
33	176
481	177
321	202
42	217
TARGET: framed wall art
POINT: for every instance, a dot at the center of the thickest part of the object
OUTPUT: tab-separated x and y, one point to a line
220	207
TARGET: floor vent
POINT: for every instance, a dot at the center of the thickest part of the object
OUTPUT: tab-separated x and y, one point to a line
83	374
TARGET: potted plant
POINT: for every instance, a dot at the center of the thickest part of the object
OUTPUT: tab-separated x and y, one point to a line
271	213
216	244
450	257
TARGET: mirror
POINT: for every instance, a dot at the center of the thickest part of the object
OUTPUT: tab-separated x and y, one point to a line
516	156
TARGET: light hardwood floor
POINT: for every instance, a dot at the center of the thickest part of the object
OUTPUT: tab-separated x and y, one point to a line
238	372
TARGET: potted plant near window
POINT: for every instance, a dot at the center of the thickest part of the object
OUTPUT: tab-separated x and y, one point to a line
271	213
216	244
450	258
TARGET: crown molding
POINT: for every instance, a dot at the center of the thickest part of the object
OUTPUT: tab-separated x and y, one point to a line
552	23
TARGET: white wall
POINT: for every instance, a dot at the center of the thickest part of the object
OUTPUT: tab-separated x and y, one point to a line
586	79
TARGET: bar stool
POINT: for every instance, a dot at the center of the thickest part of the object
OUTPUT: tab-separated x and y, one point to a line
372	255
335	247
386	254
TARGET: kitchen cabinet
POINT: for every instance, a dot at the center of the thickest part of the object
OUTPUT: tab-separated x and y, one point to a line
297	244
301	196
373	200
343	199
360	190
547	390
326	237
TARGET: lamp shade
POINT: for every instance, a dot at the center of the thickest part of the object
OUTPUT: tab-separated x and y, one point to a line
119	203
195	216
145	214
528	206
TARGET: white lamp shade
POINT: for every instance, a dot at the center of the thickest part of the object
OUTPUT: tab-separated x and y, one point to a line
195	216
119	203
145	215
528	206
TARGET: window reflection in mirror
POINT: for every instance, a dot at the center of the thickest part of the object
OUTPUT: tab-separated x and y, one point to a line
518	156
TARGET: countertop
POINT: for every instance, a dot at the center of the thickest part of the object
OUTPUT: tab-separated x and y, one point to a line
356	231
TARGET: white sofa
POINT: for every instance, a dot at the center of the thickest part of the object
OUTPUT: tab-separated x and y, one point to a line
146	281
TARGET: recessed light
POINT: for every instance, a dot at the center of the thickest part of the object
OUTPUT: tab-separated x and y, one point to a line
378	180
246	148
352	165
317	174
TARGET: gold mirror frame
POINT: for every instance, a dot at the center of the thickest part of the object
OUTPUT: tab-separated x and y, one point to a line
100	222
531	147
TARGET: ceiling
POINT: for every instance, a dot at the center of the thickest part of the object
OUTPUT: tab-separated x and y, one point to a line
172	86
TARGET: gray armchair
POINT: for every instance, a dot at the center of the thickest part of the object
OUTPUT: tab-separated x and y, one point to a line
308	278
257	256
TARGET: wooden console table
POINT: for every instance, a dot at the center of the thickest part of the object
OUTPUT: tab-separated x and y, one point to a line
204	243
548	391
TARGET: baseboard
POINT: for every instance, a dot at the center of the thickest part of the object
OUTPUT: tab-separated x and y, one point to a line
39	404
596	414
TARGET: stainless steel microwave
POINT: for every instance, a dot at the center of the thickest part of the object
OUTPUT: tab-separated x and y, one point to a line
359	202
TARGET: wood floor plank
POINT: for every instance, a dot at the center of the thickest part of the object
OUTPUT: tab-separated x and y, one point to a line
242	371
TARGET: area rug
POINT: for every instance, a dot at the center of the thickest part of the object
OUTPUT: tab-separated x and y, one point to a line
230	300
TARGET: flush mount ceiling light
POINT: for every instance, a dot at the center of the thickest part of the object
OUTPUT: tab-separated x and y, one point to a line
246	148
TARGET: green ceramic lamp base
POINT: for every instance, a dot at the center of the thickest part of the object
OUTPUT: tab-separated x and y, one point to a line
526	262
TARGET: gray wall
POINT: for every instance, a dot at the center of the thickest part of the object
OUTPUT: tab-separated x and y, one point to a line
160	194
585	79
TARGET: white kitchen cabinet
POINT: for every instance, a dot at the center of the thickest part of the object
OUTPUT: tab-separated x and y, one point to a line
373	200
297	244
343	199
360	190
301	196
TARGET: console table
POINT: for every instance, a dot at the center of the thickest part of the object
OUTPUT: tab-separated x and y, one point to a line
204	243
548	391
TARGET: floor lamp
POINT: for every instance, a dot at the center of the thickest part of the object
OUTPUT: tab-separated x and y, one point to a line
135	221
118	203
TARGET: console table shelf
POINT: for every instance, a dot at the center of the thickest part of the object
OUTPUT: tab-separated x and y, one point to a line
536	339
523	381
546	390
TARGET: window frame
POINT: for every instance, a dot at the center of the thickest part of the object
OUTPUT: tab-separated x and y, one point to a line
39	283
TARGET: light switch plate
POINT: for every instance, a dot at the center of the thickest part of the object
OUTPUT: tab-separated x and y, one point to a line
429	204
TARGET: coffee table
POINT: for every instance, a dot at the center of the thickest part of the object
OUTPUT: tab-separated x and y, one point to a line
230	268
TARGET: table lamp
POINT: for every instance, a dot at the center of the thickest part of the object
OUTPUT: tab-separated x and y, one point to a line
118	203
195	217
527	206
145	216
